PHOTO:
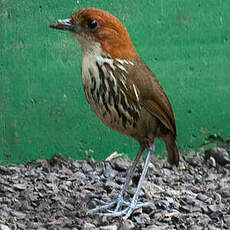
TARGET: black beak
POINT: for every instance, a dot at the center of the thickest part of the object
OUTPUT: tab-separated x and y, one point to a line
65	24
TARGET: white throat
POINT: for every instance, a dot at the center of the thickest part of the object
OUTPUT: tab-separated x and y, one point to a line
89	47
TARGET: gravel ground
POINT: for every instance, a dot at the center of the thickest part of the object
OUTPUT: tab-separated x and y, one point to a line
56	194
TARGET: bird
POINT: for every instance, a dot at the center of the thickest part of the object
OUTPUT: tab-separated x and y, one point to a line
123	93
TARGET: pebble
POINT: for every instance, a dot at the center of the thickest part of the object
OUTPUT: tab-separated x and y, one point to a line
18	215
109	227
86	167
126	225
88	226
227	220
4	227
109	172
151	190
121	164
212	228
202	197
61	191
143	218
20	186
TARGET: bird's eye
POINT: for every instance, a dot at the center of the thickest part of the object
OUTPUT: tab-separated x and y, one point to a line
92	24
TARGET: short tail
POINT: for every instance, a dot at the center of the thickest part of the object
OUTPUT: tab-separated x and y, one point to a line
173	153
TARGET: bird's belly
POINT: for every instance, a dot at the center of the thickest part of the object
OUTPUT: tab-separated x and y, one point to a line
144	130
108	107
108	114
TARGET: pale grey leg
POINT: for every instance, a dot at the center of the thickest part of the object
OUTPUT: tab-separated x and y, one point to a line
119	201
133	204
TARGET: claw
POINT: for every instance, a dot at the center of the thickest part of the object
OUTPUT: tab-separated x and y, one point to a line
103	207
126	212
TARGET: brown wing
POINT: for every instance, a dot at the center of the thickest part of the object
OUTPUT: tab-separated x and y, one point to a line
157	103
152	96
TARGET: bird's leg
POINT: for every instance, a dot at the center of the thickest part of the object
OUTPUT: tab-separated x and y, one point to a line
128	178
126	212
119	200
133	204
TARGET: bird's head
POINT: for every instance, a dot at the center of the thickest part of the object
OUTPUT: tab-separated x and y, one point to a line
95	28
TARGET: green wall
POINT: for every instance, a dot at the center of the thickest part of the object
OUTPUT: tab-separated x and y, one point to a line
42	105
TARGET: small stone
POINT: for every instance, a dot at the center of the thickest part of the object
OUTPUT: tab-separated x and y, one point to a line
202	197
170	200
121	164
225	192
132	191
227	220
163	204
77	176
110	186
20	186
4	227
76	164
186	208
193	162
150	189
88	226
86	167
211	161
4	170
217	197
143	218
33	225
213	208
205	209
212	228
204	220
18	215
21	226
137	211
109	172
126	225
196	227
109	227
190	200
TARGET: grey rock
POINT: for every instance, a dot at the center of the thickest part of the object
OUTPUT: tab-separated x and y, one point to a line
121	164
204	220
143	218
227	220
86	167
202	197
126	225
210	227
88	226
18	215
4	227
109	227
224	192
109	172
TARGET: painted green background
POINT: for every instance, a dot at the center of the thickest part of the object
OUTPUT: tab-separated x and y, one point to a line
42	105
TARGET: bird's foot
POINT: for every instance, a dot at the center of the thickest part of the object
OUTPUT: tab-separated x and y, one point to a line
129	207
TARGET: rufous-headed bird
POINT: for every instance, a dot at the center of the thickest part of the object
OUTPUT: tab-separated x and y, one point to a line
123	93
